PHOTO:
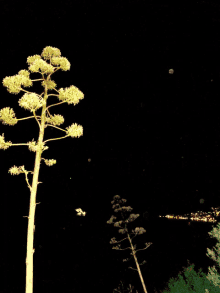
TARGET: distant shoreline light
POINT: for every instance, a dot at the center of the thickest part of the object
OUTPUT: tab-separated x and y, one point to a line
193	219
198	217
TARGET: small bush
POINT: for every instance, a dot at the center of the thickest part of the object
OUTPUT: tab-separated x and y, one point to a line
191	282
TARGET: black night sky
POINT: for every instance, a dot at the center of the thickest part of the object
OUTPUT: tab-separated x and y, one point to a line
149	136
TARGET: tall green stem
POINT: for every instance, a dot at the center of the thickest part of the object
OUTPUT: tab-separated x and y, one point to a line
32	208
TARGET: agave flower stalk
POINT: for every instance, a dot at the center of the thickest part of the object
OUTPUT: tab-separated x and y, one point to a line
32	102
138	230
